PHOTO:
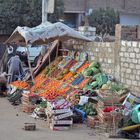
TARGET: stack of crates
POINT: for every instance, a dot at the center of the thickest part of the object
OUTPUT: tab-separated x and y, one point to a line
59	119
107	99
26	105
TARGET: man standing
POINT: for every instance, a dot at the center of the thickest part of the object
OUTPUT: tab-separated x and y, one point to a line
15	69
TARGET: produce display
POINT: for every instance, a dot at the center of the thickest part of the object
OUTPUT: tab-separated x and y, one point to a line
85	65
91	70
78	80
61	74
67	76
70	64
51	91
20	84
76	66
73	98
64	62
53	81
83	83
73	86
55	73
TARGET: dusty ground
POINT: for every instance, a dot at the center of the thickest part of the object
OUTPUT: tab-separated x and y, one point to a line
12	121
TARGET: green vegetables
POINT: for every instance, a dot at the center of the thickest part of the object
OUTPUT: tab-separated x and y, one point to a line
43	104
88	108
94	64
91	70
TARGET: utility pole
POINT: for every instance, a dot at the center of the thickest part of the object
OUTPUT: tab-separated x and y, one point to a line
44	10
86	16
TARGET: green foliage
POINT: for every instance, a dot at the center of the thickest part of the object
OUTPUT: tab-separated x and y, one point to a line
58	11
19	13
104	20
25	13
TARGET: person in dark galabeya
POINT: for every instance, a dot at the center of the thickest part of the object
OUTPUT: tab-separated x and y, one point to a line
15	69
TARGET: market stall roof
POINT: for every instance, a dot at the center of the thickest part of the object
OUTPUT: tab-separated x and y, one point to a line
44	33
25	35
61	32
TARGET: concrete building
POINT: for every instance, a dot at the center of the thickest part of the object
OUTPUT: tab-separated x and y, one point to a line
129	10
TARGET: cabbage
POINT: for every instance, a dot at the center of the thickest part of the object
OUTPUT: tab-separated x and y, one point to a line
88	72
94	64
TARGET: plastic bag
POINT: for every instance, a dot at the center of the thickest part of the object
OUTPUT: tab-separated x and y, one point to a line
83	100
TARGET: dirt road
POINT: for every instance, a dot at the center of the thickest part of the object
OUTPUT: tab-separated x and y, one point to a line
12	121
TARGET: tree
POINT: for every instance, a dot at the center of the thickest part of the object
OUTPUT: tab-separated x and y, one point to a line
104	20
58	11
19	13
25	13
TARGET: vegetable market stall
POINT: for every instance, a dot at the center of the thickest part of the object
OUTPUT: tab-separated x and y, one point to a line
79	82
71	87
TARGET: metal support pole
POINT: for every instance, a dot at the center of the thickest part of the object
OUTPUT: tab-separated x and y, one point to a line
44	10
31	72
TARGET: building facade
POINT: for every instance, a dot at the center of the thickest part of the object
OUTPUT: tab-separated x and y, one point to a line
129	10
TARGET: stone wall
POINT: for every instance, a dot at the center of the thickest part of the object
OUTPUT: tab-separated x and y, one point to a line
130	65
121	60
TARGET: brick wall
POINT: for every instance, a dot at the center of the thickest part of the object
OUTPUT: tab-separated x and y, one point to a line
129	33
74	5
119	59
123	6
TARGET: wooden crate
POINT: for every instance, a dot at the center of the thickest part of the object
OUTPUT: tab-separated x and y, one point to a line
27	108
92	121
62	122
107	117
60	125
62	116
57	111
59	128
30	126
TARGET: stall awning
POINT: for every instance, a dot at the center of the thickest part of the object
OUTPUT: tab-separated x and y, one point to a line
44	33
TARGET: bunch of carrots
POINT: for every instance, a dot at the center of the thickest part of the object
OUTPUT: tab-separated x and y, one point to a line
84	66
20	84
67	76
